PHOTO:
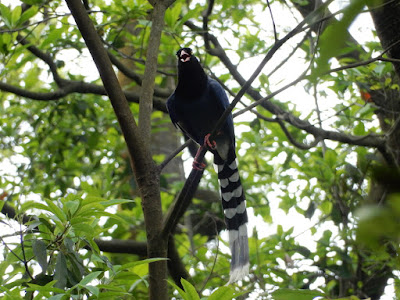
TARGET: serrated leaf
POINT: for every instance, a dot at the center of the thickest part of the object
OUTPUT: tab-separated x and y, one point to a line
40	251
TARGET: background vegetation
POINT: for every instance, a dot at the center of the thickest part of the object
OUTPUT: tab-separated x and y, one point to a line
95	206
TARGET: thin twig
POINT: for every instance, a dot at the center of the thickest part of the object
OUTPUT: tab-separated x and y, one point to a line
173	154
25	262
273	21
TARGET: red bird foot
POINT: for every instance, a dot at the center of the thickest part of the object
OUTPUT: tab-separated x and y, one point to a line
210	144
199	166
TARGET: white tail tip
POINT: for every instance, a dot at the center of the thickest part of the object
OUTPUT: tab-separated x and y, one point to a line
238	273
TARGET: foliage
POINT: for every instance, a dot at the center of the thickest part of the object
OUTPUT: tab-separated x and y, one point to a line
324	220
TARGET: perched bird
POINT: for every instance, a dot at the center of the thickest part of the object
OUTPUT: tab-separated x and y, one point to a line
195	107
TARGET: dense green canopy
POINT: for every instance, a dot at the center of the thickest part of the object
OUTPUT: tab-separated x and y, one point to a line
95	201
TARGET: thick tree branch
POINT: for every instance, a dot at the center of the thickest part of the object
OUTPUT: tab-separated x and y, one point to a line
122	246
182	202
70	87
146	98
48	59
145	171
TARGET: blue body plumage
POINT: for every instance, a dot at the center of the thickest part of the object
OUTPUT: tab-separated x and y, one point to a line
195	107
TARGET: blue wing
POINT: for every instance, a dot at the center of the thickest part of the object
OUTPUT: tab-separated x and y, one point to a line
197	116
219	93
222	99
171	109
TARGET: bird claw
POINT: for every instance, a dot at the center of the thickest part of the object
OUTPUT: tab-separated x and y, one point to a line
210	144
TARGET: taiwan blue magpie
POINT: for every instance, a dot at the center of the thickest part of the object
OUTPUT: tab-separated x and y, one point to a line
195	107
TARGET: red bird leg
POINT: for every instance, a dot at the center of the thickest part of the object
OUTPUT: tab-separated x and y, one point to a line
210	144
198	165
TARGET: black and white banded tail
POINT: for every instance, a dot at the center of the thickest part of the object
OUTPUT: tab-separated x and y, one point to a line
234	205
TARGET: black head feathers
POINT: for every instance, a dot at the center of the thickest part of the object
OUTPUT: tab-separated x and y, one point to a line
184	54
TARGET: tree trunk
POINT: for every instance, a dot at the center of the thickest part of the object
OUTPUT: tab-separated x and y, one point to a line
385	15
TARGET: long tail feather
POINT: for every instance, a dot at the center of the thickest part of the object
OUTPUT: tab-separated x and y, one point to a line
234	205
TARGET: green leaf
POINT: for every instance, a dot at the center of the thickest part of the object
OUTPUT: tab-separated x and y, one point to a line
6	15
289	294
190	290
141	262
326	207
61	271
57	297
72	206
222	293
93	289
53	35
180	291
32	2
15	15
359	129
39	249
115	202
56	210
332	41
172	14
46	288
89	278
330	158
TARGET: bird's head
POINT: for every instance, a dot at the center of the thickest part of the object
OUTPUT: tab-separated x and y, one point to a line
184	54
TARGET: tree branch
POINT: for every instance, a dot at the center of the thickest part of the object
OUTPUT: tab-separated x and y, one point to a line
146	173
44	57
146	98
182	202
70	87
320	134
